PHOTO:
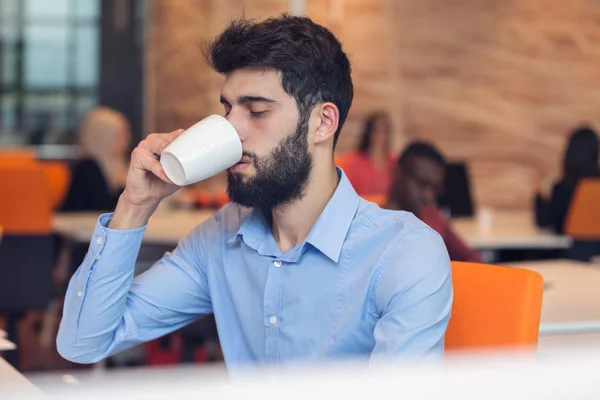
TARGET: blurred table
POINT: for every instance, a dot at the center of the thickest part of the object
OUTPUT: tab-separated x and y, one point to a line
12	380
498	230
571	302
164	227
504	230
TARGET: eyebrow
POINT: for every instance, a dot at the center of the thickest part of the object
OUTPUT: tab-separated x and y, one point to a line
248	98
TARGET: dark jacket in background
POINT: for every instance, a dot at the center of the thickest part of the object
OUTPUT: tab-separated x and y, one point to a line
89	190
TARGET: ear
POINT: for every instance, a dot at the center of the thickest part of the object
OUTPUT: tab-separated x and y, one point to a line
329	118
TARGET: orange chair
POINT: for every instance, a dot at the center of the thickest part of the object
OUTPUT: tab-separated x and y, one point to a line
494	306
583	218
58	178
27	251
57	173
17	155
25	205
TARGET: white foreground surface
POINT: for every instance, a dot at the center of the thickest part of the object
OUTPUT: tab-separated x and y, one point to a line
561	374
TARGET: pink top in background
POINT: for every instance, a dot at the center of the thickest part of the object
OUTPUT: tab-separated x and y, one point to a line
364	176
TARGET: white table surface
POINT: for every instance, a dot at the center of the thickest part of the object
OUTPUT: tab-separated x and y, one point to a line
505	230
571	302
163	227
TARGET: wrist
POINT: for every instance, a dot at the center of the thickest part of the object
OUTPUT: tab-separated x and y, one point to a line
128	215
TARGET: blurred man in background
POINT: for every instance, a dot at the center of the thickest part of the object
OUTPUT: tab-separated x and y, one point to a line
416	185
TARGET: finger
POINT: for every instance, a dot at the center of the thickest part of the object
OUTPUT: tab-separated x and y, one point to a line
176	133
148	162
155	143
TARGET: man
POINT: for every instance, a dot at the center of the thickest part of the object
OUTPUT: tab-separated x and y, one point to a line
417	183
298	267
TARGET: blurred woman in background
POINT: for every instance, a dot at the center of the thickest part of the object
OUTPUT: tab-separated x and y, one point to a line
369	169
98	177
580	161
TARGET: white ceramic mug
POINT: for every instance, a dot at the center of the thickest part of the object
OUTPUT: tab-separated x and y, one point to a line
203	150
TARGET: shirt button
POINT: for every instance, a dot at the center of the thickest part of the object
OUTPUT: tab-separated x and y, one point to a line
79	294
273	320
277	263
99	241
98	257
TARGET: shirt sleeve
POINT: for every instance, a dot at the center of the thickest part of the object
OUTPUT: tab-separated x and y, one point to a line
107	310
413	296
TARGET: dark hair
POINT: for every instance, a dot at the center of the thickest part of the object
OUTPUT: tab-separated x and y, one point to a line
581	157
421	149
313	65
369	128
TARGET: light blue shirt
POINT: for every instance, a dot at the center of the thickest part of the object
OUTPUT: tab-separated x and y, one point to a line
366	282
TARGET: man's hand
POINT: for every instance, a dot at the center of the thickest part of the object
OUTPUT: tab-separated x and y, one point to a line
146	184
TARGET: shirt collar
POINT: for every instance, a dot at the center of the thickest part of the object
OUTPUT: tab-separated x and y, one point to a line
328	233
254	230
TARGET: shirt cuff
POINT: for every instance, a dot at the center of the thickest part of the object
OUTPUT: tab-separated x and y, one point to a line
105	219
118	243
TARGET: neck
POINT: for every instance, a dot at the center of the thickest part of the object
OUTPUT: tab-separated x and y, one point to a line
291	223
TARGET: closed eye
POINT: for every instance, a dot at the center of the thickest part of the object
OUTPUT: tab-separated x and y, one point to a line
257	114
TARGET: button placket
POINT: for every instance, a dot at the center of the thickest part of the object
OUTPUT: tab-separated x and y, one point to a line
272	308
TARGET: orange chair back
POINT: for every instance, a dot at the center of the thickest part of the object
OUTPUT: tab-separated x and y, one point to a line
583	218
25	206
17	155
494	306
58	178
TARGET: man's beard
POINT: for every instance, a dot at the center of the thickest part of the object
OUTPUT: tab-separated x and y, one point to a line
281	176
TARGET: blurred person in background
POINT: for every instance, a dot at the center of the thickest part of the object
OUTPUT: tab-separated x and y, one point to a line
369	169
297	267
98	177
580	161
418	181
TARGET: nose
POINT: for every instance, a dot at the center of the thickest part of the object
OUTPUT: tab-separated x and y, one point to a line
238	124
